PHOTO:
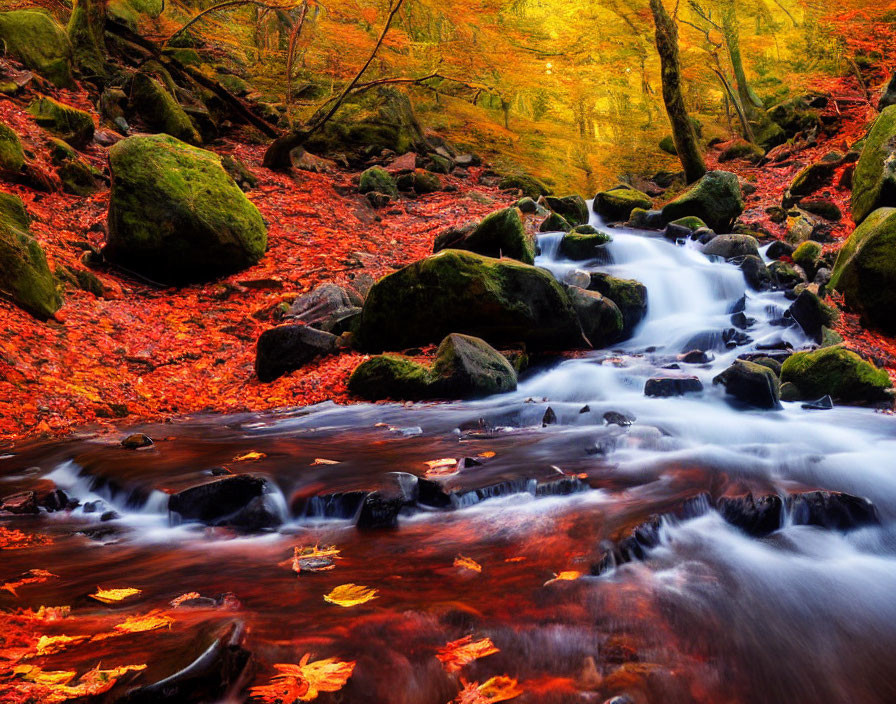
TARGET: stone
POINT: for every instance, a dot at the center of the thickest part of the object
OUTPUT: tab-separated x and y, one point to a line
874	181
12	157
578	247
554	223
39	43
812	314
528	185
236	501
501	233
64	121
286	348
664	387
731	246
837	372
573	209
630	297
378	180
326	307
600	318
136	441
751	383
716	199
617	204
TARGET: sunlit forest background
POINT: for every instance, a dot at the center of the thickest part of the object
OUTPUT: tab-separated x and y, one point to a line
568	91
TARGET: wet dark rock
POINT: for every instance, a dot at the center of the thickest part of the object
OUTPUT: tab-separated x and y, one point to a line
136	441
735	338
833	510
573	209
778	249
812	314
755	516
23	502
756	273
601	320
694	357
326	307
633	547
549	418
730	246
236	501
630	297
56	500
672	386
621	419
751	383
380	508
286	348
676	232
207	679
825	403
343	505
742	321
110	516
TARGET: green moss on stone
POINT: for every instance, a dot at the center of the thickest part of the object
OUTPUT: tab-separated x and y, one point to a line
806	255
390	376
716	199
64	121
42	45
160	110
378	180
874	181
578	247
573	209
12	157
502	233
836	371
617	204
554	223
528	185
691	222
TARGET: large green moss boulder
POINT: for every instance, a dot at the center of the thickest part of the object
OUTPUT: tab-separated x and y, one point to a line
501	301
501	234
528	185
630	297
12	157
176	216
391	376
158	108
806	255
24	274
64	121
874	182
579	246
130	12
617	204
716	199
600	318
865	271
377	180
35	39
573	209
836	371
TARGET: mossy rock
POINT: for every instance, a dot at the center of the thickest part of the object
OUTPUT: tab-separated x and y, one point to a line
24	274
742	149
158	108
630	297
732	246
806	255
78	177
716	199
234	84
865	271
573	209
12	156
617	204
378	180
502	233
784	275
874	181
600	318
578	246
239	172
64	121
499	300
130	12
667	144
186	56
769	135
176	216
751	383
554	222
822	208
810	179
419	181
836	371
390	376
439	164
528	185
39	43
692	222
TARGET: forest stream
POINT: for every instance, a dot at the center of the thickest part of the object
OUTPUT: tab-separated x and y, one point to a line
608	543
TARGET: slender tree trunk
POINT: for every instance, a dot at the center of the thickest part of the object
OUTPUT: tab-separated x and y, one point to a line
86	32
731	30
682	130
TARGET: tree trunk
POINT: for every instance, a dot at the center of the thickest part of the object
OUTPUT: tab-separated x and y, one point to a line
730	29
86	32
682	129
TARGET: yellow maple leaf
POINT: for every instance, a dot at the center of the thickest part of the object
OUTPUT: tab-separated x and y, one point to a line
467	563
303	682
496	689
457	653
487	454
47	645
110	596
566	576
147	622
249	457
350	595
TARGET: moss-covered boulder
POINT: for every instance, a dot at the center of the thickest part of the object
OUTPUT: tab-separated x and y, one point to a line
838	372
617	204
822	207
806	255
24	274
12	156
130	12
501	233
554	223
64	121
742	149
732	246
77	176
501	301
667	144
691	222
580	246
573	209
874	181
751	383
812	314
419	181
809	180
176	216
630	297
158	109
865	271
600	318
528	185
377	180
39	43
716	199
391	376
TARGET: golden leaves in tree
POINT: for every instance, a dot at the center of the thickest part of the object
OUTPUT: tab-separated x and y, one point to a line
350	595
29	577
566	576
467	563
458	653
496	689
314	558
111	596
303	682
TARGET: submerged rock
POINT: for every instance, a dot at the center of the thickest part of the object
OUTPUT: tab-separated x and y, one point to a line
579	246
667	386
236	501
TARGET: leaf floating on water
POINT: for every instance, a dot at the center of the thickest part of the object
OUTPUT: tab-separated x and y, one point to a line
467	563
314	558
189	596
441	467
320	460
147	622
250	457
29	577
47	645
111	596
12	539
488	454
458	653
350	595
47	678
567	576
303	682
48	613
496	689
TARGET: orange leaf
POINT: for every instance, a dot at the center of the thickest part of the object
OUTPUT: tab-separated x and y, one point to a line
350	595
567	576
467	563
47	645
441	467
303	682
189	596
320	460
147	622
110	596
496	689
250	457
457	653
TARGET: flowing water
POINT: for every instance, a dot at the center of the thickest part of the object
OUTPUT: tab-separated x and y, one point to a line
709	614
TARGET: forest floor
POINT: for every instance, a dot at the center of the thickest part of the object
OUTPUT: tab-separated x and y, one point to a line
142	353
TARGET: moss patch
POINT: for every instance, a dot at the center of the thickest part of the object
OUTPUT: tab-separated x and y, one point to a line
64	121
874	181
838	372
12	157
35	39
160	110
